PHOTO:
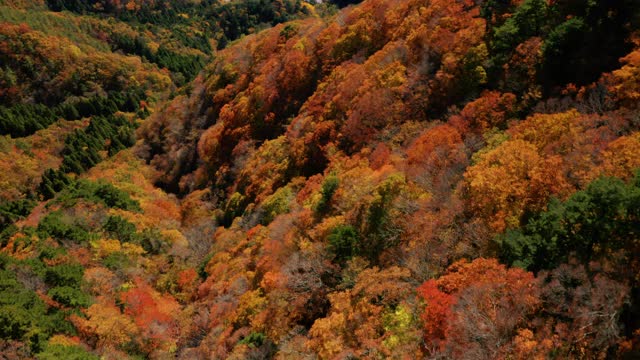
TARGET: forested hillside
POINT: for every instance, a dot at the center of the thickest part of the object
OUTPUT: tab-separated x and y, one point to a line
287	180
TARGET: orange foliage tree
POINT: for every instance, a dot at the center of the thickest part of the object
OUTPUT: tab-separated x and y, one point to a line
511	179
622	156
155	316
624	82
438	155
475	307
490	110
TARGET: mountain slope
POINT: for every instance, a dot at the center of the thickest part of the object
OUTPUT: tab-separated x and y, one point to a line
352	160
400	179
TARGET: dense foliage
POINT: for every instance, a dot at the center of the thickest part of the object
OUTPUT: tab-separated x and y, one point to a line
280	179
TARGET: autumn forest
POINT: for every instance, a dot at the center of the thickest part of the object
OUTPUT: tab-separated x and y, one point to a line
283	179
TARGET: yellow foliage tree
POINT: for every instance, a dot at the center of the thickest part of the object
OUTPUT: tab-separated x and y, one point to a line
508	180
359	318
622	156
105	322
